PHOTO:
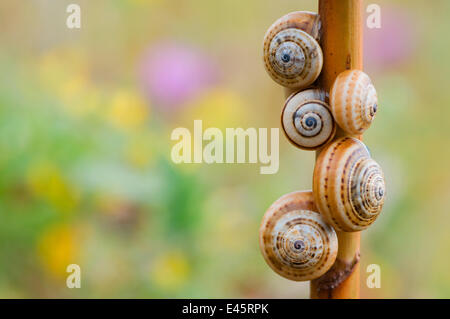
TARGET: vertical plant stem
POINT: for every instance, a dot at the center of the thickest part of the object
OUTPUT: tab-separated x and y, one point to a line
342	48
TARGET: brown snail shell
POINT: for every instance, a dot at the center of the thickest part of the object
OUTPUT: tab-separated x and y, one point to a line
353	101
295	240
292	54
348	185
307	120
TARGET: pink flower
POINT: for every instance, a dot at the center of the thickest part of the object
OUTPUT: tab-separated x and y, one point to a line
172	74
394	43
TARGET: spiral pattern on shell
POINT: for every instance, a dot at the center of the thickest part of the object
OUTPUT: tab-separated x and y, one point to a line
292	56
307	120
295	240
353	101
348	185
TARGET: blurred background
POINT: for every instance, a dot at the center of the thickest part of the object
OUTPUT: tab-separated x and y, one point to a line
85	170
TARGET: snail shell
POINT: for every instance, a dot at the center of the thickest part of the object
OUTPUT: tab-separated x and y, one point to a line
348	185
292	54
353	101
307	120
295	240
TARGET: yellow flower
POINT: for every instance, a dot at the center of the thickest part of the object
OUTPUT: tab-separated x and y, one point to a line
73	86
170	271
58	248
65	72
46	181
219	108
128	110
80	99
57	67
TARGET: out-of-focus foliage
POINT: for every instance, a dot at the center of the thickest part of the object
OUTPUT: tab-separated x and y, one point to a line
85	170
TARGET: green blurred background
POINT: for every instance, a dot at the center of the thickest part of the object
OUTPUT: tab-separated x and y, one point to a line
85	170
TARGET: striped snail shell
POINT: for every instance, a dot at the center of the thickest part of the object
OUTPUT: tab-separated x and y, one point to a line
295	240
307	120
348	185
292	54
353	101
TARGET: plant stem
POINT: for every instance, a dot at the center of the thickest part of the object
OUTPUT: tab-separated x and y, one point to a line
342	48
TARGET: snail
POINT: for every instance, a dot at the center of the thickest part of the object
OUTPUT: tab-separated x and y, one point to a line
348	185
306	119
353	101
292	54
295	240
